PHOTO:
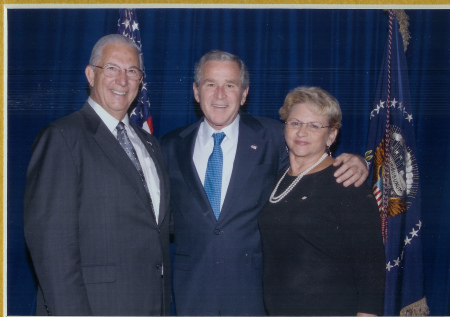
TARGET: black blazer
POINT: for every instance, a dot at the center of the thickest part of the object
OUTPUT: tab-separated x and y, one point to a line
218	263
95	245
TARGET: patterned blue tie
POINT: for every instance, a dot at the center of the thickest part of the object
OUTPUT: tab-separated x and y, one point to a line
213	178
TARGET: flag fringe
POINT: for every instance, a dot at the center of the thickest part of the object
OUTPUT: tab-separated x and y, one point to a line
419	308
403	21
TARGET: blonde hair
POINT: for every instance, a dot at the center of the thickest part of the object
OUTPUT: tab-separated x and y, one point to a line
323	104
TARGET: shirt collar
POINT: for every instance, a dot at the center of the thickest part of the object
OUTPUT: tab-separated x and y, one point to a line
108	120
231	131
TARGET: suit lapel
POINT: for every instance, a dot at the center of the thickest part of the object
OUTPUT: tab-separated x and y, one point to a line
249	150
158	161
112	149
188	169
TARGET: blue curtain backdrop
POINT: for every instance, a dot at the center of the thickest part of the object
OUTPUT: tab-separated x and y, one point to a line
338	50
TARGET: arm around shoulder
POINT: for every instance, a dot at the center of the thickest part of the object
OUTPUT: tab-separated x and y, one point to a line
352	171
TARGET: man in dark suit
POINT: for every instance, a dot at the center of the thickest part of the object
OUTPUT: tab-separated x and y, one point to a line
217	249
97	200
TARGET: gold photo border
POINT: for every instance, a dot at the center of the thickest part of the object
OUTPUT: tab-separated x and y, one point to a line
45	4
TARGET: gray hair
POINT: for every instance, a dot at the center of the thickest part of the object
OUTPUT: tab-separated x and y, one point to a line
97	51
221	56
322	101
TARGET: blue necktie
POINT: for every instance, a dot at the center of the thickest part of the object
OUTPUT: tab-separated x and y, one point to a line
213	178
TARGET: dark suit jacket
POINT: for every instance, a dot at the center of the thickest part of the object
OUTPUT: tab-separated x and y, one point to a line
95	245
217	263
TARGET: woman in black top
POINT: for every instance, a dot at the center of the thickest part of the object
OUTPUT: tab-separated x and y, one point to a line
322	244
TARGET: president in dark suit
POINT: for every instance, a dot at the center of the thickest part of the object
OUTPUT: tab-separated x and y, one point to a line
222	171
97	200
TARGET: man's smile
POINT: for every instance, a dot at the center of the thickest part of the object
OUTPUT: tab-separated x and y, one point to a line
118	92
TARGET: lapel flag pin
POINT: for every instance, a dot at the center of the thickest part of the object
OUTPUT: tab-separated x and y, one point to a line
254	147
151	145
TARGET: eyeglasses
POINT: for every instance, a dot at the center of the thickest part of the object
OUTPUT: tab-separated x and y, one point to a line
310	126
113	71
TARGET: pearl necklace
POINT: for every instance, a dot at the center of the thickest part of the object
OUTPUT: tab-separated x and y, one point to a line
274	199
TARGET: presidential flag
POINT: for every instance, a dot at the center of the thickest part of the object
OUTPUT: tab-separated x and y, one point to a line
129	27
394	177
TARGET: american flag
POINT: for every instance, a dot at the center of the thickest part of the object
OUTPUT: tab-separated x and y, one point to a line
394	177
129	27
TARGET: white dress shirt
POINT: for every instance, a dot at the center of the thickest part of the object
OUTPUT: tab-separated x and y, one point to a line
147	164
204	145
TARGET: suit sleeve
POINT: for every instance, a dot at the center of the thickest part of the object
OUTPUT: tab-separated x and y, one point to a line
51	223
164	150
282	149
